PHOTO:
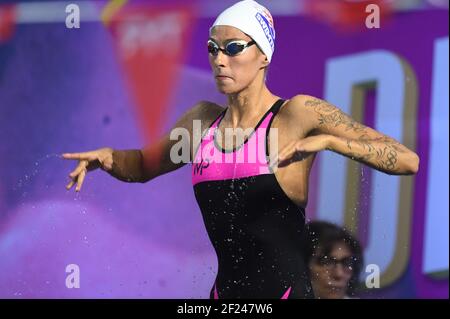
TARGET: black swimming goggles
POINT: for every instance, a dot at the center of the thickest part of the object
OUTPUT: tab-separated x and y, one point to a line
232	48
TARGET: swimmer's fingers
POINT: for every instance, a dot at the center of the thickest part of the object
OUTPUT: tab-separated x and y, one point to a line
298	151
313	143
89	156
287	152
81	166
275	159
80	180
88	161
77	175
99	158
69	186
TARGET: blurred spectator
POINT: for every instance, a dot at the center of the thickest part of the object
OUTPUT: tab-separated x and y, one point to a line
334	260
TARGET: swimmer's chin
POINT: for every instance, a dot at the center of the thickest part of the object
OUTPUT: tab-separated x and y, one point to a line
226	90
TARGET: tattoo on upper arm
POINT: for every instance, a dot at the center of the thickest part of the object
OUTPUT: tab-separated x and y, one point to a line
330	115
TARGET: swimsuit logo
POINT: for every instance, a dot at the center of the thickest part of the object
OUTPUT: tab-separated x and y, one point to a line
267	28
200	166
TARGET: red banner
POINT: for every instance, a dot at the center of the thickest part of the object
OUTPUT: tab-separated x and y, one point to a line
7	21
150	42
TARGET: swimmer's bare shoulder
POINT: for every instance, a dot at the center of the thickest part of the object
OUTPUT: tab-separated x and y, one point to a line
293	118
204	111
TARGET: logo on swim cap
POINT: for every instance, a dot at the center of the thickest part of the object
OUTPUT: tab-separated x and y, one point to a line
268	29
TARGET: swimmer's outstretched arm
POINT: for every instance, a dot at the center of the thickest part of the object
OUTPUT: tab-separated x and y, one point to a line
139	165
327	127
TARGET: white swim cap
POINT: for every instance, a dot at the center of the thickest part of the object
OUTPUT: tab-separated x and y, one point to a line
254	20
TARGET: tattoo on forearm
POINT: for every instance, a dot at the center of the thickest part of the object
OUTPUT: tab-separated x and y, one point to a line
365	142
381	152
359	157
385	156
391	143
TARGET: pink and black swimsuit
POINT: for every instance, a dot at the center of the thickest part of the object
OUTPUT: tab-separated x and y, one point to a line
253	225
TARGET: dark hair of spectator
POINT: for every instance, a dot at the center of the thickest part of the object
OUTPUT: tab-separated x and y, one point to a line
321	237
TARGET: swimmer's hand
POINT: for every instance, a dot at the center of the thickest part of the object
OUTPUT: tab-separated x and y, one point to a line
300	149
88	161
